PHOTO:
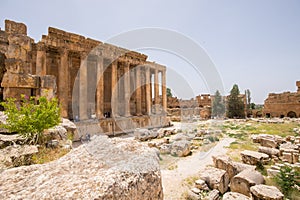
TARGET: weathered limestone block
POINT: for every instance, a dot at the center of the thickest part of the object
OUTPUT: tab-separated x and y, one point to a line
213	195
16	92
253	157
48	81
272	172
242	182
15	27
17	66
266	192
7	140
200	184
216	179
165	148
231	167
101	169
11	80
270	151
144	134
235	196
266	142
16	155
287	157
3	41
19	47
181	148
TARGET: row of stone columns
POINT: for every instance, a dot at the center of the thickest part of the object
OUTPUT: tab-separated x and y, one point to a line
142	80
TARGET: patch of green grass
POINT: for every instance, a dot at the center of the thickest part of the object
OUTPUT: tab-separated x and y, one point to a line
190	181
48	154
283	130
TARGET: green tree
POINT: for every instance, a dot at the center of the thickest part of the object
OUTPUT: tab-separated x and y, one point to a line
169	92
31	116
235	104
218	106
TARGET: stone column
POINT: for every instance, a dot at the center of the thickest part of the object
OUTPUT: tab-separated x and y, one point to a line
156	91
83	88
148	97
164	90
114	89
127	89
41	69
100	88
63	82
138	91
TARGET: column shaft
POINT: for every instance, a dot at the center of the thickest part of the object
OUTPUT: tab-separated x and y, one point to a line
127	89
148	98
100	88
83	89
41	60
156	90
164	90
63	82
114	89
138	91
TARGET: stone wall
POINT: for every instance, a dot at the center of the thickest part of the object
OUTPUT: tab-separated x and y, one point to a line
285	104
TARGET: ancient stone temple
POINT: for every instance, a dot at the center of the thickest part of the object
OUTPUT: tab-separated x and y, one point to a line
286	104
92	80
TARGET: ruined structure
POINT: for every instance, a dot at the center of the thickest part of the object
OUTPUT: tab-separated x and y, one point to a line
180	109
92	80
286	104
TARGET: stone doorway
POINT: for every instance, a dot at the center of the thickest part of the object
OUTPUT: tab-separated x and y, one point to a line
292	114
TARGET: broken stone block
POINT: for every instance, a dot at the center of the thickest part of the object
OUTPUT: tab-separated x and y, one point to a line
242	182
231	167
235	196
272	172
266	142
181	148
11	80
101	169
144	134
196	190
15	27
270	151
16	155
17	66
165	148
214	195
216	179
287	157
254	158
200	184
266	192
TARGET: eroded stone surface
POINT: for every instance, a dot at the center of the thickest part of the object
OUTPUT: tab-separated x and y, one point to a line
216	179
102	169
266	192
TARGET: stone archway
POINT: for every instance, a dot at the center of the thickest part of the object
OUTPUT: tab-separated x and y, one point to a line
259	114
292	114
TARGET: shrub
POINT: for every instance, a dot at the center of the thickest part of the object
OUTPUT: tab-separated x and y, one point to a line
288	179
31	116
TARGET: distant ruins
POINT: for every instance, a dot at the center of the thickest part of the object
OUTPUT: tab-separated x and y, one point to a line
286	104
92	80
198	107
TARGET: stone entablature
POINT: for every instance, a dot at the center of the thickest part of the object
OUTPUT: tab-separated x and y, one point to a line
90	78
285	104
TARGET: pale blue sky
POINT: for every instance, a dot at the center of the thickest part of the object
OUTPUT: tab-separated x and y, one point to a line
254	43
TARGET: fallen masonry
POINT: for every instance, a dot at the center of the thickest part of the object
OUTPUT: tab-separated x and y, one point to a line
101	169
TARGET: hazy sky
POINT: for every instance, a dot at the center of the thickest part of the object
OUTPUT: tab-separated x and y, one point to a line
254	43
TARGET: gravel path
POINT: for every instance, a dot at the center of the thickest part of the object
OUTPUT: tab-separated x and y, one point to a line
189	166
